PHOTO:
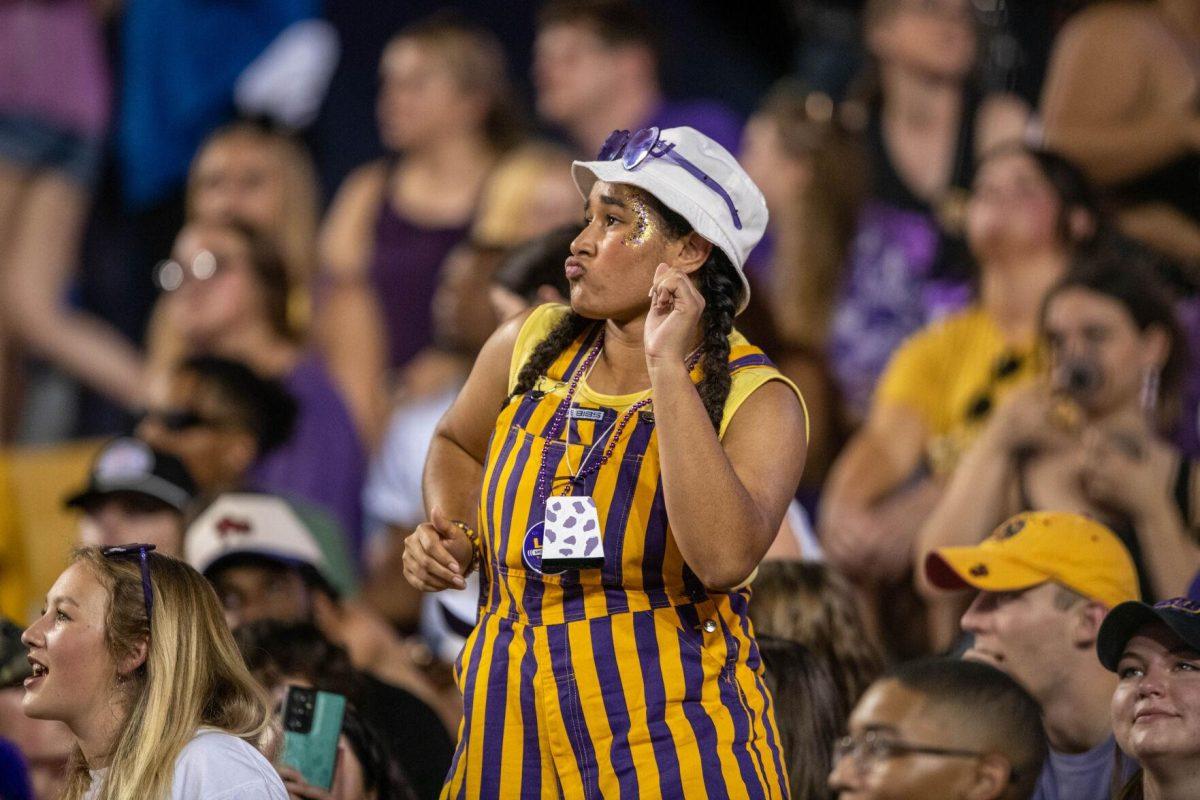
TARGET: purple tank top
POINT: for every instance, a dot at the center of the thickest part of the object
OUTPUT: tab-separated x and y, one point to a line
324	463
404	274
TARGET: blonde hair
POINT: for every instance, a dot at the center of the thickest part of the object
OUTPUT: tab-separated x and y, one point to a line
816	227
503	216
296	233
193	675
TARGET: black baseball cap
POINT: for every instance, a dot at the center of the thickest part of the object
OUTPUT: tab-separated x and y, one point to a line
1179	614
132	466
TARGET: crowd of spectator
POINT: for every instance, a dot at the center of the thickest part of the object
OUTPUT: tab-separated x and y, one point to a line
982	269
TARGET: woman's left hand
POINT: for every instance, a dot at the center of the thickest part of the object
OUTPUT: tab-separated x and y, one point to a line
675	308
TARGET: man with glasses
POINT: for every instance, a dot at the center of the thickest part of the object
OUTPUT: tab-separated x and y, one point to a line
1046	580
941	729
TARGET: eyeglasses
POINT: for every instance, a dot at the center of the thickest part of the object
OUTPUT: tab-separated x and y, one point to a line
870	748
169	275
634	148
1006	367
141	552
178	420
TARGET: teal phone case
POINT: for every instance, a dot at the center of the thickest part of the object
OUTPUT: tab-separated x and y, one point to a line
312	722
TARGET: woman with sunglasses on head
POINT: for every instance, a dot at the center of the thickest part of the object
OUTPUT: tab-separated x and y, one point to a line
133	654
616	469
1028	212
1090	435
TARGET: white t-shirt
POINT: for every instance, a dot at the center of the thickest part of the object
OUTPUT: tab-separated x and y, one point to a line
216	765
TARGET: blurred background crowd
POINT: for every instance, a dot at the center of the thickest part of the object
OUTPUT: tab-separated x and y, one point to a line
249	250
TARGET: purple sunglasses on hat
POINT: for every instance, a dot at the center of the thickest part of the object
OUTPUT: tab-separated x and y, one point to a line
634	148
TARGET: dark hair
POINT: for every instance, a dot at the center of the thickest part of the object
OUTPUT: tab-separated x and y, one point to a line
537	263
262	405
995	703
809	712
275	650
1128	274
616	22
1075	192
381	771
477	60
1134	788
722	290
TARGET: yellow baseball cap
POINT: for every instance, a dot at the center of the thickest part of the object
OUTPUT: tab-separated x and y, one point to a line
1038	546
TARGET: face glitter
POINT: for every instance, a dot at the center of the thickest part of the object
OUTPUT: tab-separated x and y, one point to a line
643	223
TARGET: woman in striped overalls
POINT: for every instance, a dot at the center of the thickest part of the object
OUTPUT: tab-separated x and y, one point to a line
639	468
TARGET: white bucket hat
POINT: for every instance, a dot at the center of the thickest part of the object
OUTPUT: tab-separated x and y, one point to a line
693	176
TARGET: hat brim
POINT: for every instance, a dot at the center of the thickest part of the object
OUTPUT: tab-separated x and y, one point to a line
158	489
1123	623
586	173
977	568
233	558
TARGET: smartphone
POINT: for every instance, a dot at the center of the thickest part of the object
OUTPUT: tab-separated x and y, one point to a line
312	722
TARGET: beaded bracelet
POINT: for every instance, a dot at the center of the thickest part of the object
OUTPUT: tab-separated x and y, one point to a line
473	537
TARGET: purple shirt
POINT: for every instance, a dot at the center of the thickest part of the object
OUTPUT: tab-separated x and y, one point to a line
404	273
324	463
887	294
52	65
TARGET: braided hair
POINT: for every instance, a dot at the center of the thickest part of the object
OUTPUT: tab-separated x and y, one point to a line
721	288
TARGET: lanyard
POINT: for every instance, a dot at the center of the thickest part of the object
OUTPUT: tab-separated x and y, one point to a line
563	411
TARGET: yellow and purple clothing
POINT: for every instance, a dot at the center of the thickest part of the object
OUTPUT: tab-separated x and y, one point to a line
628	681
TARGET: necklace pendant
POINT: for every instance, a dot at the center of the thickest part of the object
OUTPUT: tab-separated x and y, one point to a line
571	534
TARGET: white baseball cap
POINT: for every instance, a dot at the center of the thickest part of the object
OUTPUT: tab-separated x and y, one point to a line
239	524
721	203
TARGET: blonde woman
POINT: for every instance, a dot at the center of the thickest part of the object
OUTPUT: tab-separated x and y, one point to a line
133	654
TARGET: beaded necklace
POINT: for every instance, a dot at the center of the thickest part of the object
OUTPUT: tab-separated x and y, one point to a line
563	411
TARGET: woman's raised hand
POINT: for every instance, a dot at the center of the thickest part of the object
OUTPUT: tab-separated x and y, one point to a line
675	308
436	553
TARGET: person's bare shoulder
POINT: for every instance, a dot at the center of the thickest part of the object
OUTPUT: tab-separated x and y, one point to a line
345	235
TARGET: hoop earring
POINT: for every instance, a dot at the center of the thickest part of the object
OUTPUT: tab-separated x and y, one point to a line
1149	393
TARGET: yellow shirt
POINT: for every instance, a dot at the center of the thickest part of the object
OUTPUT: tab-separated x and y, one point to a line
744	381
953	374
